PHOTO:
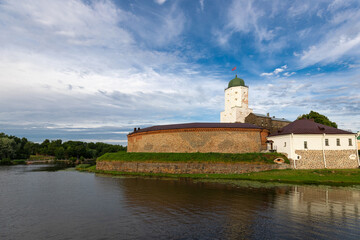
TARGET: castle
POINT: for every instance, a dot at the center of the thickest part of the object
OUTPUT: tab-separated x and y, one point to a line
239	131
307	144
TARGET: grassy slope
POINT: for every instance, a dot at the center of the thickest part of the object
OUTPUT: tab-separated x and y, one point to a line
335	177
193	157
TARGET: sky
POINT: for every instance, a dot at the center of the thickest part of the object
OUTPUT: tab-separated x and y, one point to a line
92	70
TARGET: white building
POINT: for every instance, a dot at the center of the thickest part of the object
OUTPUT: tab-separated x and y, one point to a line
236	102
311	145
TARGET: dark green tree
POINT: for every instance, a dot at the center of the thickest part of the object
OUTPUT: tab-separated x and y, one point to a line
318	118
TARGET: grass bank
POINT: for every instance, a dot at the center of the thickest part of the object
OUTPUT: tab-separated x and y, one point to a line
267	158
332	177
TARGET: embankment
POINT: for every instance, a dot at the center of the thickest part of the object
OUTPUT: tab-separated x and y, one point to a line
186	167
190	163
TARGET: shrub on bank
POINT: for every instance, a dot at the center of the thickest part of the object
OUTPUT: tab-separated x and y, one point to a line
5	161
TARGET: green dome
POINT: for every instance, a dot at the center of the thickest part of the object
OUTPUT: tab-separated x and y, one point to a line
236	82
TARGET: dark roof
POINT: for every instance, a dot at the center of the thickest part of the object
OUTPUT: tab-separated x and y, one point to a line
273	118
197	125
236	82
308	126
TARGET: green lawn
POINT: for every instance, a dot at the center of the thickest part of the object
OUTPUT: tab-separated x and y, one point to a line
267	158
334	177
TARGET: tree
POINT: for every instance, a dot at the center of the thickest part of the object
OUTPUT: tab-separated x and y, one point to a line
60	153
7	148
318	118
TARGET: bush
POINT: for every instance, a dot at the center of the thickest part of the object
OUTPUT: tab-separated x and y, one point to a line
83	166
19	161
5	161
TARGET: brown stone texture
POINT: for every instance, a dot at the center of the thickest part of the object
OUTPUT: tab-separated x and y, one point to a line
266	122
181	167
224	140
335	159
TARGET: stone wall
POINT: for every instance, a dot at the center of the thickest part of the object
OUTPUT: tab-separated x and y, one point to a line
266	122
181	168
335	159
224	140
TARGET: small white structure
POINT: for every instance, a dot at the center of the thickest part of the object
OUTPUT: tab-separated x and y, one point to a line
311	145
236	102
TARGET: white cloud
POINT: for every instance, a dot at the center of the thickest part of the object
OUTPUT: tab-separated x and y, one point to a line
160	2
84	66
341	40
275	72
201	4
244	17
279	70
290	98
288	74
267	74
331	50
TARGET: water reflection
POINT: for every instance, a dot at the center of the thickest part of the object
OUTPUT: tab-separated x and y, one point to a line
205	209
74	205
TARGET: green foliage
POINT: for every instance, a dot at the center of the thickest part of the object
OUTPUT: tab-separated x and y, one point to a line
192	157
318	118
5	161
12	147
82	166
19	161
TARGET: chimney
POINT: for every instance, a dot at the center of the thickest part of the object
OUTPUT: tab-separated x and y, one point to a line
268	114
138	129
134	129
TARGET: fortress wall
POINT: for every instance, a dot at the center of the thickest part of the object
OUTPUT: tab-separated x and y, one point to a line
186	168
224	140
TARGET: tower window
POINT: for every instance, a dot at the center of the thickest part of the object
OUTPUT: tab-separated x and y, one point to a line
338	142
326	142
350	142
235	99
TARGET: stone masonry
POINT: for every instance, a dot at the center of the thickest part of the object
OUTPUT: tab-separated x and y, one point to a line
198	140
335	159
183	168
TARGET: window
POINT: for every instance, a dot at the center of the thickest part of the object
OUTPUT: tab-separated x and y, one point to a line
284	144
350	142
326	142
305	145
338	142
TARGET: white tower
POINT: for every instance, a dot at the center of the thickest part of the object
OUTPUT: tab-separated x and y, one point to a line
236	102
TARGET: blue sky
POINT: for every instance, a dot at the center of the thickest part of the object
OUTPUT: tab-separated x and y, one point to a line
93	70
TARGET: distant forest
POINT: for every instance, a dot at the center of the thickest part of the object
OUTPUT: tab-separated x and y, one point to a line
12	147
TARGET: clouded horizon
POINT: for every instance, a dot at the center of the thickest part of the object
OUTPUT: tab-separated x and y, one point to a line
92	70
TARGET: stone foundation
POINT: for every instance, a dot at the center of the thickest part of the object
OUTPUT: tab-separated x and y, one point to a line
335	159
182	168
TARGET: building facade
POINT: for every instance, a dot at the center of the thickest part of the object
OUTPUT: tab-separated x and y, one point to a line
311	145
272	124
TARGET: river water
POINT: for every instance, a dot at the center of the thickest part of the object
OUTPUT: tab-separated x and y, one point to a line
67	204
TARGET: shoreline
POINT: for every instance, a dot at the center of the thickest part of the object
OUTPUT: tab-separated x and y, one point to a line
329	177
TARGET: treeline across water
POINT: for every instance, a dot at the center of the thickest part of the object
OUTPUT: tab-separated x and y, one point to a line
12	147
